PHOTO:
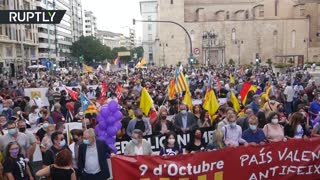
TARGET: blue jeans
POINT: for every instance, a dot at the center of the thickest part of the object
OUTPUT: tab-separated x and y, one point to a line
289	107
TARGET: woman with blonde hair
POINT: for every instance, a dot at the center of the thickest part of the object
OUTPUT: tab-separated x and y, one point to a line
46	142
216	141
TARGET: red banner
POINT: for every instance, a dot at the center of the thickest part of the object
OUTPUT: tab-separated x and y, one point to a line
295	159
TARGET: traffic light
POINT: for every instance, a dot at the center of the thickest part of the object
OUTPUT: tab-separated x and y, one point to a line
258	61
192	60
134	21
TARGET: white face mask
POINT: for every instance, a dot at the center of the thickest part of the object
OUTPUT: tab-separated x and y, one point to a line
171	141
275	121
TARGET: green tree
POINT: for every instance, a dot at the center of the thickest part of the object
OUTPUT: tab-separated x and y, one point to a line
139	50
269	62
231	62
90	48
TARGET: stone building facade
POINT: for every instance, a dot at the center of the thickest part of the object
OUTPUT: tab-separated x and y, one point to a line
241	30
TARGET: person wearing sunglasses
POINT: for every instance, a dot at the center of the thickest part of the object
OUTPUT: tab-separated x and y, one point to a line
58	144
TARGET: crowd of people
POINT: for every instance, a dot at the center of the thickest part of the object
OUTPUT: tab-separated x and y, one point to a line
284	107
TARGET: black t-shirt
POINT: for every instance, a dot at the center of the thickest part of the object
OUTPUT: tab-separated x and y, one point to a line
50	155
140	125
192	147
59	174
16	166
41	133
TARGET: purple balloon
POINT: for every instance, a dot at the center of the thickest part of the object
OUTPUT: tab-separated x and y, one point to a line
111	120
103	125
113	148
105	112
118	125
99	132
117	115
110	140
113	106
112	131
99	118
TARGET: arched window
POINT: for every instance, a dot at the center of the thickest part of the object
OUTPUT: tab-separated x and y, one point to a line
293	38
275	39
233	34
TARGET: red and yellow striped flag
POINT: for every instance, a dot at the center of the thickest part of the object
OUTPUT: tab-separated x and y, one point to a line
181	83
92	109
171	89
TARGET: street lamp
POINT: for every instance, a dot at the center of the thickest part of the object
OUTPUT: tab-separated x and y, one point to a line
172	22
210	38
238	42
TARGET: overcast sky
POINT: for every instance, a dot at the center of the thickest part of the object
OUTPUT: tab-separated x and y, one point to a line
115	15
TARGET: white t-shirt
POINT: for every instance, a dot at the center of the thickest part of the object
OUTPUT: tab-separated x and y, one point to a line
289	92
138	151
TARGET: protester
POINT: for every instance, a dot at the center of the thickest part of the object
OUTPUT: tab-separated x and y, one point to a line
273	131
271	105
138	145
56	115
77	138
33	117
201	119
22	126
233	132
163	125
314	108
216	141
296	127
46	142
138	123
184	121
254	135
43	130
92	160
49	95
255	104
58	144
243	122
14	135
196	143
61	169
170	145
44	116
289	93
224	120
15	166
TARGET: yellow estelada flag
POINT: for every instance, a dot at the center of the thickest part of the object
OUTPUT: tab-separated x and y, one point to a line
235	102
231	79
87	69
188	100
145	101
252	88
211	103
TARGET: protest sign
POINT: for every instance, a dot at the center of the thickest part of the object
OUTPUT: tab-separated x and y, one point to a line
295	159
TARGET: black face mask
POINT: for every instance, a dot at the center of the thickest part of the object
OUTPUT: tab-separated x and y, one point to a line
22	130
139	116
89	126
163	117
75	140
